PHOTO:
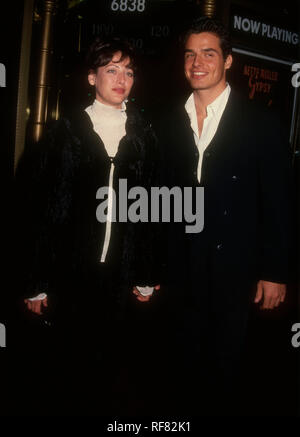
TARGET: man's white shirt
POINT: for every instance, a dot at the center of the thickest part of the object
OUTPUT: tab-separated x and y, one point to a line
210	124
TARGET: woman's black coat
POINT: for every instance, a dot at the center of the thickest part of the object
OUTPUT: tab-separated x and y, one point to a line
59	240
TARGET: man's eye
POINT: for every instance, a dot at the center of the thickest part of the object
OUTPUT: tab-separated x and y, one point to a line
130	74
210	55
111	70
189	55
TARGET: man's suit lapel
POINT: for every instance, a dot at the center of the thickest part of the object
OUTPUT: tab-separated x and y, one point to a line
227	126
222	148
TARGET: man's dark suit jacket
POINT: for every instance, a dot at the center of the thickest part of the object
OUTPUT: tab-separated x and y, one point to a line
246	174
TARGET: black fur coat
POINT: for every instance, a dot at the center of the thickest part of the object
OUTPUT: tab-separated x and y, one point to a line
60	240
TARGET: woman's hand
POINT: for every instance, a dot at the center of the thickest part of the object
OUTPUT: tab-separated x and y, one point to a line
140	296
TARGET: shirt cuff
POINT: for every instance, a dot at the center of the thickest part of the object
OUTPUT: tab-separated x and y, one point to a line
40	296
145	291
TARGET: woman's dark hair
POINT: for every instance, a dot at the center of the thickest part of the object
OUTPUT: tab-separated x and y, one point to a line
102	51
205	24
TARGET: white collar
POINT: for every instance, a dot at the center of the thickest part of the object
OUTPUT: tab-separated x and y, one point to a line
215	107
106	110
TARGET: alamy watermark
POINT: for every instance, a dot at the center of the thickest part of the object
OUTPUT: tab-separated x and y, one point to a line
2	76
296	77
2	335
187	205
296	337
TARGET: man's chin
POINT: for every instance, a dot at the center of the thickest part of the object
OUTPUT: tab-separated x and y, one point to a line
198	84
198	87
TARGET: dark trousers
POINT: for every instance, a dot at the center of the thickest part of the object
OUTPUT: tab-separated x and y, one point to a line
208	324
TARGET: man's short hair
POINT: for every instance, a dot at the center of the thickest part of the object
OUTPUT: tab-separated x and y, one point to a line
102	51
205	24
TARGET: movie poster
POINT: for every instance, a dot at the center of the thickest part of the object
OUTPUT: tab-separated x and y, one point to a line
266	82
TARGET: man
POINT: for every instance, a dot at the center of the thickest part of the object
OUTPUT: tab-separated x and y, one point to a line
240	155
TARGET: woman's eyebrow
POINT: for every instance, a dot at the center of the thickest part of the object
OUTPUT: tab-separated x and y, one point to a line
116	64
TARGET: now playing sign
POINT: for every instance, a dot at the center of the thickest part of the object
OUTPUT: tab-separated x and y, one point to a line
270	34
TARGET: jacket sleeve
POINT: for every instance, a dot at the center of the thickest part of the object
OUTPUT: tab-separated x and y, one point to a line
276	200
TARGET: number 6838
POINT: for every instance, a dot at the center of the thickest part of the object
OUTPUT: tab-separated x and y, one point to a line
128	5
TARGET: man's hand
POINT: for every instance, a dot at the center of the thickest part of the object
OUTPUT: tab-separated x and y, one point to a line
142	298
36	306
269	294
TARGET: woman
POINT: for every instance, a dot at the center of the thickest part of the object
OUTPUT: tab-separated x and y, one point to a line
84	267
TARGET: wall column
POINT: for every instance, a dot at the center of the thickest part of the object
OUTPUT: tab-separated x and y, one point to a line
39	107
208	8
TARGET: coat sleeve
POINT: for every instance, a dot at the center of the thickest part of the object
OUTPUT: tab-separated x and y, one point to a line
276	200
42	203
146	236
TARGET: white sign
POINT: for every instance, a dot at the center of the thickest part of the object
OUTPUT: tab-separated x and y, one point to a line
264	30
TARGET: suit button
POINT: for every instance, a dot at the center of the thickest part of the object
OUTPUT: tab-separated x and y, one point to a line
234	178
195	173
206	154
219	246
225	212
